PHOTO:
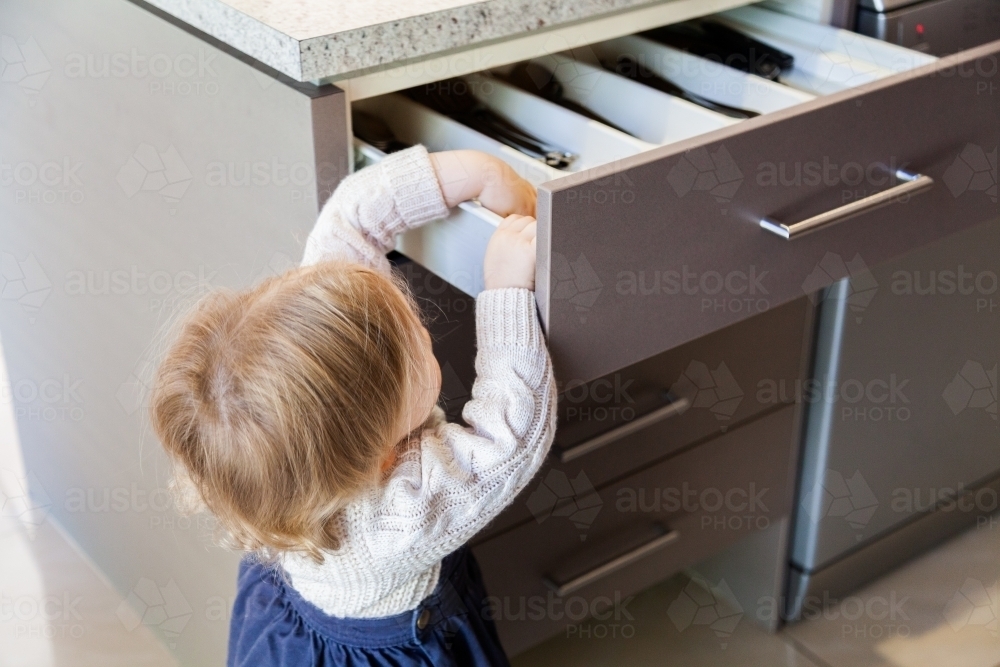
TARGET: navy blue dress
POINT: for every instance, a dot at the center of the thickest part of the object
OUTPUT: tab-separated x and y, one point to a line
274	626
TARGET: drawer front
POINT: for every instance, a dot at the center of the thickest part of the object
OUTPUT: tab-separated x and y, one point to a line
713	384
647	253
633	533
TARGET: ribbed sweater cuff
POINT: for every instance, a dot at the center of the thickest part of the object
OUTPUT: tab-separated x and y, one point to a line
506	317
410	177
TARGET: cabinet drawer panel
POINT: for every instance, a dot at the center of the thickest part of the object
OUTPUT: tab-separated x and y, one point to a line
616	242
744	384
681	511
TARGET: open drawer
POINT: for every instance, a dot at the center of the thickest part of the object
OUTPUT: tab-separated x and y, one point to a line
454	247
870	150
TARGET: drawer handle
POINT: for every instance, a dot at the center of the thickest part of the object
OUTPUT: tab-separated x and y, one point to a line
474	207
563	589
911	183
675	407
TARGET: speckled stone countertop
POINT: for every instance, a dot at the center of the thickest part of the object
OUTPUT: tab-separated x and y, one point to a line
313	39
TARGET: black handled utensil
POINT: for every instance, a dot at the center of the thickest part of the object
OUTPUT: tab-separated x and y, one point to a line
539	80
629	67
454	99
375	131
718	42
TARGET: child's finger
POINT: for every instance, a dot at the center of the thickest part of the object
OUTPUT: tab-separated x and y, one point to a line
516	223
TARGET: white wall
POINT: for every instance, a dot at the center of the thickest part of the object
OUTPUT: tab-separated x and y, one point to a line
75	206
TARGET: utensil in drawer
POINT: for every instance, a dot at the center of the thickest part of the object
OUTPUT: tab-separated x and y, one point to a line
454	99
629	67
715	41
540	80
373	130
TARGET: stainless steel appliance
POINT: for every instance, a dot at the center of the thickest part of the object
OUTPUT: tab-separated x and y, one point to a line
902	445
939	27
888	475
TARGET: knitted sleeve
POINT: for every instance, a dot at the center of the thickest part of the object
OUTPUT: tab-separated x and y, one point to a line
459	479
360	221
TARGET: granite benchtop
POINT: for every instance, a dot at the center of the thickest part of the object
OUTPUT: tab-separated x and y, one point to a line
315	39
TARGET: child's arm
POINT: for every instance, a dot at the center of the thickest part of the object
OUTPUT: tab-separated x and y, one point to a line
458	480
360	221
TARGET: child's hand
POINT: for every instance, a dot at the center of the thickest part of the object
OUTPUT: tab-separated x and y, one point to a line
510	256
466	175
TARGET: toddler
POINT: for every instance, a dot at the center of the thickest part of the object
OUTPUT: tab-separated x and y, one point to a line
302	413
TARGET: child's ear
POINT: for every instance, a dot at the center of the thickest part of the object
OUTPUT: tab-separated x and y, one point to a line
388	462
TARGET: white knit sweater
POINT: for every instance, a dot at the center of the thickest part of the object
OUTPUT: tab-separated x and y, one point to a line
451	481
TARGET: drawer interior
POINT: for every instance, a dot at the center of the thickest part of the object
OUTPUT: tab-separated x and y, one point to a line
705	77
826	60
647	113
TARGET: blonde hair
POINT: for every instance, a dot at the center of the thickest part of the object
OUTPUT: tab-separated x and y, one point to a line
277	404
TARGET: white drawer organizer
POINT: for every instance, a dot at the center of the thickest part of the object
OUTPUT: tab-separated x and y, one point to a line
827	60
453	248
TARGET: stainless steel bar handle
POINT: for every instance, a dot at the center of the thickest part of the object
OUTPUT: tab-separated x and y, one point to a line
911	183
563	589
675	407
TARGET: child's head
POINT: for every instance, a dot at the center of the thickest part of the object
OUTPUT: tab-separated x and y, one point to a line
280	403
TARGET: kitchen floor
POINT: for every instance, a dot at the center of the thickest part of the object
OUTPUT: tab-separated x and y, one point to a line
940	609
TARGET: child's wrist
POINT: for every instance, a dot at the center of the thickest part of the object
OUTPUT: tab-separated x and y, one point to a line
460	175
506	316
